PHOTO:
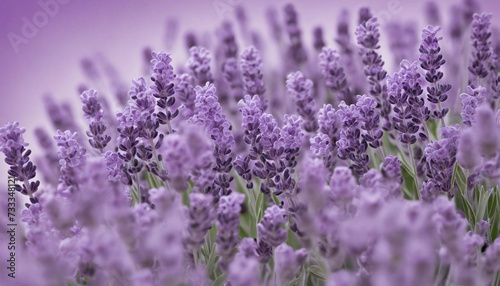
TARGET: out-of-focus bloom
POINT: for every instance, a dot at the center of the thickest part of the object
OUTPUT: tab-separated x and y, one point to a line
343	185
295	52
228	214
441	157
318	41
251	68
468	154
200	218
242	271
184	91
232	75
334	75
270	227
403	40
480	36
199	65
288	262
300	89
93	113
470	101
486	130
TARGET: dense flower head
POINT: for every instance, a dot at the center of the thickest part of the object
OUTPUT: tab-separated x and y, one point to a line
480	36
328	120
263	151
470	101
367	34
487	131
271	132
391	168
200	217
162	70
12	144
291	133
211	116
296	51
370	118
430	57
199	65
441	157
320	144
288	261
300	89
91	107
343	185
251	110
251	67
333	72
113	165
71	153
270	227
350	146
11	137
232	75
228	214
184	91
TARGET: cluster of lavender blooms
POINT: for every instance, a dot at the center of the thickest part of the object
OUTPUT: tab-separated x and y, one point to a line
328	170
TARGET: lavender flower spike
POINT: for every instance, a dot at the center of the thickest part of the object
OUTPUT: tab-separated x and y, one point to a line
431	60
334	75
228	214
184	91
481	42
368	36
270	227
200	217
93	113
288	262
368	114
13	146
251	68
300	89
219	129
199	65
470	101
350	146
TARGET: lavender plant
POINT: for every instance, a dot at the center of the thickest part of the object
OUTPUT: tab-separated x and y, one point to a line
368	180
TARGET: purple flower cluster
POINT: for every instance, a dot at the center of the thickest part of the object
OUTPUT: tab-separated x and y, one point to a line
199	65
93	113
300	89
357	182
480	36
334	75
17	156
368	36
251	68
431	60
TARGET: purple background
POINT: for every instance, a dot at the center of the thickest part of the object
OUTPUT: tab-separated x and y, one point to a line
119	30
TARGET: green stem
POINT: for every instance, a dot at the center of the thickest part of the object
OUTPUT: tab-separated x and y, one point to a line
417	184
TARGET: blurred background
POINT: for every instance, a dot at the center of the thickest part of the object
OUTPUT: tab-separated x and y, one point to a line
51	57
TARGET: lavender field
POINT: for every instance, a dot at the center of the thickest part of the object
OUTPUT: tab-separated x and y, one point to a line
364	156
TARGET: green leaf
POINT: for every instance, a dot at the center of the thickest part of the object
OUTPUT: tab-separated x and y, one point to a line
482	203
220	280
316	271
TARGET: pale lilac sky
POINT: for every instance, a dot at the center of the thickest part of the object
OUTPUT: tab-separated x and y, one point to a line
119	30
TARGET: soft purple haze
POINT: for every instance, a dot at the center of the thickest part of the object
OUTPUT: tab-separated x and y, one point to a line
49	63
